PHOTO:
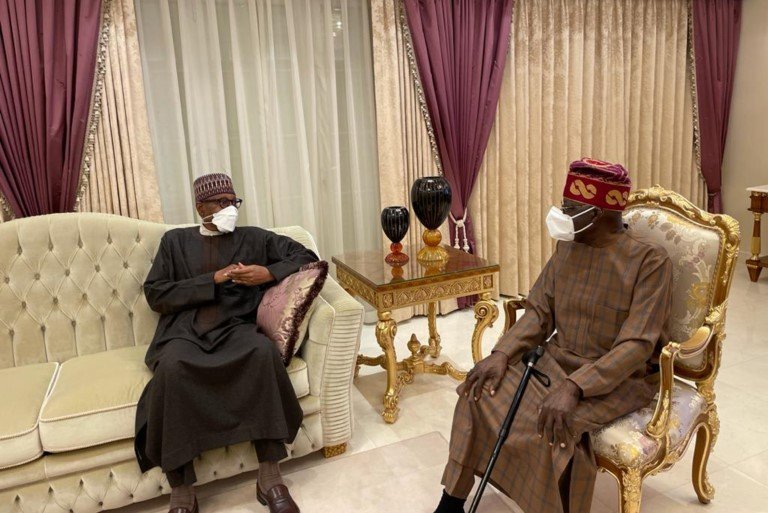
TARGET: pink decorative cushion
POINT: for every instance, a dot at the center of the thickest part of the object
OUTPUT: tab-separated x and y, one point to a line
283	314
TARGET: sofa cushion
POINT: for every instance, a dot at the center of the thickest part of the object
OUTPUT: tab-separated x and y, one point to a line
284	311
94	398
24	391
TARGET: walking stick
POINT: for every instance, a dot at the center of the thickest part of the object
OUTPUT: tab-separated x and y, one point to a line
529	359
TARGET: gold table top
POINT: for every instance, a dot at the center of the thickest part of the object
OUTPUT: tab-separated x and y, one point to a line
386	287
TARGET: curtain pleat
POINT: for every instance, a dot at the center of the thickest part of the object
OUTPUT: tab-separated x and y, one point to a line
122	178
621	93
716	39
47	75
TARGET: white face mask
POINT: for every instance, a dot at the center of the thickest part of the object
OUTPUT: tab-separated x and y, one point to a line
560	225
225	219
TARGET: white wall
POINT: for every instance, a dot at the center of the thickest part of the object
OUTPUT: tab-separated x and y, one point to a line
745	162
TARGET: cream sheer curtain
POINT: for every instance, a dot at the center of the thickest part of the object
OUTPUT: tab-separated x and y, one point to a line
278	93
403	141
583	78
122	178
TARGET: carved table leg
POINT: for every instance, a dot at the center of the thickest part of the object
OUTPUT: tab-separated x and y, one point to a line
486	312
386	329
753	264
434	336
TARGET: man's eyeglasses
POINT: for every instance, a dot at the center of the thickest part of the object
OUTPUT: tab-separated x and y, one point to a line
226	202
568	209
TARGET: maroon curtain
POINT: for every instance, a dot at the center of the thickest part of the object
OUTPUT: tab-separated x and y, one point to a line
461	48
716	27
47	65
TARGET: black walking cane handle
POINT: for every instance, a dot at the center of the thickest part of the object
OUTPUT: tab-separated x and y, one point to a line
530	359
541	377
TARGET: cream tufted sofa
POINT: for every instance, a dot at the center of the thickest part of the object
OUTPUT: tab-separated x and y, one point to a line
74	328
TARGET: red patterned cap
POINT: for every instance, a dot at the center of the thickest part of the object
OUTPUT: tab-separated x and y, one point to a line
212	184
598	183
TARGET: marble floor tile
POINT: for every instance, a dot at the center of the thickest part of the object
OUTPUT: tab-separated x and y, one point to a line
743	423
755	467
735	492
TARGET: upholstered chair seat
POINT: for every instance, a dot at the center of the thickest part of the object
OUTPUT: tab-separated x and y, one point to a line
625	440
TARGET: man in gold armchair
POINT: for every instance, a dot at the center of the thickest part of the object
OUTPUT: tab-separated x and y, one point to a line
607	294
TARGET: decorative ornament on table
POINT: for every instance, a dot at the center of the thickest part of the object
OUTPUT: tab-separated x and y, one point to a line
431	202
433	268
397	274
394	222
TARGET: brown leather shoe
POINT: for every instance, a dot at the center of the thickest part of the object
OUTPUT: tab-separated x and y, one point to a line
195	509
278	499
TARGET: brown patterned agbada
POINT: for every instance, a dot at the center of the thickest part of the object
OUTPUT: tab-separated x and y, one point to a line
610	307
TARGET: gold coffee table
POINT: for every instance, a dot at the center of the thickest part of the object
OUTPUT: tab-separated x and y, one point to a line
387	288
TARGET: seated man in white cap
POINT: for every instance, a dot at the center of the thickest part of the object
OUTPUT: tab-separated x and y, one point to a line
608	295
217	380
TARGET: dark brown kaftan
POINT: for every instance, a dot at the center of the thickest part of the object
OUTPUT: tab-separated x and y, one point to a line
217	380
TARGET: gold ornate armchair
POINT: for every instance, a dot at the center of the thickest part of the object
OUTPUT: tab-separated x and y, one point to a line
703	248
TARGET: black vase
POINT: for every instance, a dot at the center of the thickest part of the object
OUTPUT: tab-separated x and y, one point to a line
394	222
431	200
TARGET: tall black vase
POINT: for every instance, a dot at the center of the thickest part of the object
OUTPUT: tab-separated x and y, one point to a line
395	222
431	202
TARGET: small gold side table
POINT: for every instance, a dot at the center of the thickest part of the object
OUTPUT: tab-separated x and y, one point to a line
387	288
758	206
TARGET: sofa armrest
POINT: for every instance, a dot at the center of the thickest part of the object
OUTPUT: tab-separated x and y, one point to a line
331	355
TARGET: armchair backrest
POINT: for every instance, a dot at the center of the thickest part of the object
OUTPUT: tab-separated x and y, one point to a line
71	284
703	248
